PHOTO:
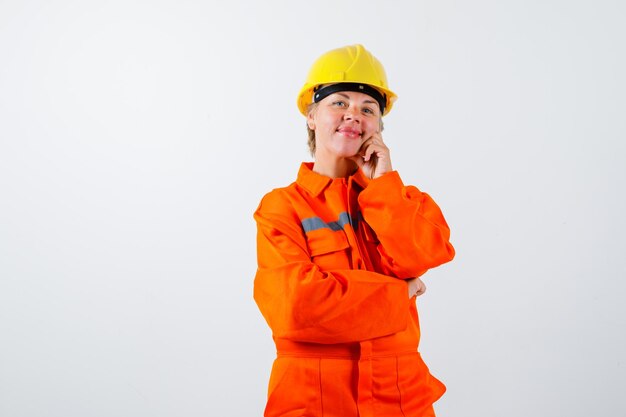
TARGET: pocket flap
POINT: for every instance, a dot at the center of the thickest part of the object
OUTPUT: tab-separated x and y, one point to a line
326	241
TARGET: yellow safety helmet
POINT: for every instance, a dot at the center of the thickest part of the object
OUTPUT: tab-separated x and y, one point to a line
352	66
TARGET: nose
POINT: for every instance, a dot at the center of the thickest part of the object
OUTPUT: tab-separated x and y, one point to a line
352	113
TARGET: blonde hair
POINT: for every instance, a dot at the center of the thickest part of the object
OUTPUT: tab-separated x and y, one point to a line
311	133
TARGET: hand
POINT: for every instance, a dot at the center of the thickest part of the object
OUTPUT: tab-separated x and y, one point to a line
373	158
416	287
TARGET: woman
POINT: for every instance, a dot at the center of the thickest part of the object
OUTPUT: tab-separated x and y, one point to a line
340	252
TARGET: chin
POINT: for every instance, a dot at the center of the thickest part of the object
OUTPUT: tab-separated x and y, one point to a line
347	151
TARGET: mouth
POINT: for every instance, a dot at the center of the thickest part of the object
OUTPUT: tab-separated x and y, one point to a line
350	132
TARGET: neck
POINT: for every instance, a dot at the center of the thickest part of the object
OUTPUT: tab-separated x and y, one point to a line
334	168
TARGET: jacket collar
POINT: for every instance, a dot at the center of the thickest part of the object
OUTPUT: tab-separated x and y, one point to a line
316	183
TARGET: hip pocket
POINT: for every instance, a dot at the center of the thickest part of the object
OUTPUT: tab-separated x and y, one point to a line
294	388
418	388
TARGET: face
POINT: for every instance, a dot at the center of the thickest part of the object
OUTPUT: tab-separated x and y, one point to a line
342	122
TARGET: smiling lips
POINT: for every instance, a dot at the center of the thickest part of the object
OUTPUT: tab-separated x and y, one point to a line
350	132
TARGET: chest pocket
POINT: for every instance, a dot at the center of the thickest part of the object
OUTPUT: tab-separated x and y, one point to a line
329	249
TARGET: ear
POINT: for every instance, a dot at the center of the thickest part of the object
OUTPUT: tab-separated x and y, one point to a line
310	120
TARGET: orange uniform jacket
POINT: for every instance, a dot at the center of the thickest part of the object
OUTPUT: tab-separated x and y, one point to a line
333	255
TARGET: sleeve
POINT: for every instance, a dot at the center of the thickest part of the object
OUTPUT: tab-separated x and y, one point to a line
301	302
410	227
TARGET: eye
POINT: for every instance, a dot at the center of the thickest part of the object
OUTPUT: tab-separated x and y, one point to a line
339	103
369	110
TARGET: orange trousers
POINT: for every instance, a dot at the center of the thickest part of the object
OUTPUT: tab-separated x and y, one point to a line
329	387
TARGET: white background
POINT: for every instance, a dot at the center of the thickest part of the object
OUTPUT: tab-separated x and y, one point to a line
137	138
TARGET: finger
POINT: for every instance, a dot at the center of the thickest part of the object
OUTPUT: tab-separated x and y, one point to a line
374	141
368	152
372	148
366	143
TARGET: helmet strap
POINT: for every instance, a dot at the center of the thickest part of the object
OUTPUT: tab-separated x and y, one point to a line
324	92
